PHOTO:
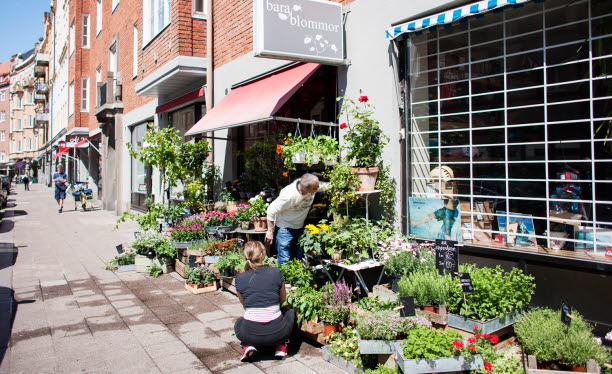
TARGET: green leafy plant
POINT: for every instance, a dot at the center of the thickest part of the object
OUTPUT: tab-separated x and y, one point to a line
230	260
375	304
155	271
148	242
541	333
296	273
427	287
226	195
387	195
328	148
259	206
345	345
430	344
381	369
496	293
148	221
388	325
336	302
355	237
313	238
244	214
265	165
200	275
125	258
166	249
341	191
307	302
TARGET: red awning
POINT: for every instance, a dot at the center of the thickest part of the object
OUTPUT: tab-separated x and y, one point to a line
61	151
180	101
255	101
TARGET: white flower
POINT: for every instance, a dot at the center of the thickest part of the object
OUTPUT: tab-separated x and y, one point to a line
319	37
334	48
307	40
282	16
297	8
608	336
262	193
311	49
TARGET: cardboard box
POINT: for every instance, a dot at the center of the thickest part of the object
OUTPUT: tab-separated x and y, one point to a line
477	236
482	211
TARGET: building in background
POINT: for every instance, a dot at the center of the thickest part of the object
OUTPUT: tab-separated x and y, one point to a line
5	112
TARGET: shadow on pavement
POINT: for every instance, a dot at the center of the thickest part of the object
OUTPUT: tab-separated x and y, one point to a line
7	226
8	307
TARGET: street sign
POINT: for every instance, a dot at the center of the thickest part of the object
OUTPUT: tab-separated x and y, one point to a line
19	164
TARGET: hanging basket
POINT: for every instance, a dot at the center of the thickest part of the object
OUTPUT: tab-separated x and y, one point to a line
367	178
299	158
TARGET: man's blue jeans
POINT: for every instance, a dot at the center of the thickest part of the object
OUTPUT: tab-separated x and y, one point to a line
287	247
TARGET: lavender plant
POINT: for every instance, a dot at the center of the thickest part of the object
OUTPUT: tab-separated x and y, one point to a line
336	302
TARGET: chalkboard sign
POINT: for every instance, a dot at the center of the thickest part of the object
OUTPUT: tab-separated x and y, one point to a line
192	261
408	309
447	256
466	283
566	312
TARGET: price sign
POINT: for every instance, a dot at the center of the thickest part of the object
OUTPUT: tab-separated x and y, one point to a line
566	316
466	283
447	256
408	306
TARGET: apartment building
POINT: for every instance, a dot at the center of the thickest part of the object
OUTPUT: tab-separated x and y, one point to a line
5	111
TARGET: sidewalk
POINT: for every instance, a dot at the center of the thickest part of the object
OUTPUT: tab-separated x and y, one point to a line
72	316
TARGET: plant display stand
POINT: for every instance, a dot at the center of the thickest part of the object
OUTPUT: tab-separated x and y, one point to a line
357	268
124	268
532	367
489	327
180	268
343	364
228	283
375	347
313	330
200	290
440	365
142	263
440	318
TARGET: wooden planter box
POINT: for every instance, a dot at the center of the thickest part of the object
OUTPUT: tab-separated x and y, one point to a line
200	290
532	367
489	327
343	364
375	347
142	263
167	267
124	268
181	268
440	365
440	318
190	257
313	330
212	259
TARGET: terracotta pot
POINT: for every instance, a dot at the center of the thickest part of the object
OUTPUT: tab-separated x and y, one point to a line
336	257
328	329
429	308
580	369
367	178
260	223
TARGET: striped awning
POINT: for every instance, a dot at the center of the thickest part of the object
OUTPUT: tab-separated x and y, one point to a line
449	16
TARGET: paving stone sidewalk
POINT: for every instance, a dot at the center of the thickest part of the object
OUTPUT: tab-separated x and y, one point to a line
73	316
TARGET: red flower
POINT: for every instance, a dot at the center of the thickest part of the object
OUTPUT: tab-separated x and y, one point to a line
476	328
288	140
494	339
511	342
488	366
472	348
363	99
471	340
458	344
487	336
479	335
343	125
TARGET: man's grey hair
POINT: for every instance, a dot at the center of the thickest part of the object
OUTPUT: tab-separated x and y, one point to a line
309	181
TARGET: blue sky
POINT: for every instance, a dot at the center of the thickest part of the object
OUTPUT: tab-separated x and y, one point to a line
22	25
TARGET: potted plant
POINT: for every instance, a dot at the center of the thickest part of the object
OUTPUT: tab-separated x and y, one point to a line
356	238
364	140
228	263
244	216
402	257
200	279
191	229
214	219
436	351
228	197
145	245
215	249
554	345
341	192
259	208
296	273
491	310
376	330
336	305
430	290
123	262
343	351
328	149
313	238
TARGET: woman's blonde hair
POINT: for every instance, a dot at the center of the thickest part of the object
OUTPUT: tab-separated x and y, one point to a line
254	254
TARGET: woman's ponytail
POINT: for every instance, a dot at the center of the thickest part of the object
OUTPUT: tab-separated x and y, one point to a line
254	254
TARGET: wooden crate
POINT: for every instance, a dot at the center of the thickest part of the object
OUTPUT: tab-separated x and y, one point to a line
197	291
440	318
313	330
181	268
532	367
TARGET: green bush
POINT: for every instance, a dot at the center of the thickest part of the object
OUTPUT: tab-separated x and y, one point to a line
306	301
427	287
230	260
542	334
496	293
296	273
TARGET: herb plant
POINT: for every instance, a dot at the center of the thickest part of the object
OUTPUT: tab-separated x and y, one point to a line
430	344
259	206
345	345
148	242
336	302
297	274
230	260
388	325
200	275
306	301
427	287
155	271
125	258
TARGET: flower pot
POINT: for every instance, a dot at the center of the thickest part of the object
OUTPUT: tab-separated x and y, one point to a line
394	280
328	329
336	257
230	206
429	308
298	158
228	272
226	229
316	157
260	223
212	230
245	225
439	365
367	178
579	369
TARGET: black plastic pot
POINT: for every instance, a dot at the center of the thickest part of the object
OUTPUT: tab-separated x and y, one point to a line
394	280
228	272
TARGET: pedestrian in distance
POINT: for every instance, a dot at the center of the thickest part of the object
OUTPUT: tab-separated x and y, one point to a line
286	216
26	182
60	179
261	290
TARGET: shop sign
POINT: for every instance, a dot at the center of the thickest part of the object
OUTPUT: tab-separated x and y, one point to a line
301	30
72	140
447	256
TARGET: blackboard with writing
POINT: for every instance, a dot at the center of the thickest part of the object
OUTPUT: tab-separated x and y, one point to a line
447	256
566	312
466	283
408	306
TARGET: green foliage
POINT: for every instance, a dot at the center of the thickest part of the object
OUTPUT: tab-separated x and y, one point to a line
265	165
148	221
230	260
296	273
166	249
126	258
192	160
502	363
345	345
355	237
429	344
259	206
200	275
542	334
194	196
374	304
155	271
387	195
341	191
381	369
388	325
313	238
496	293
427	287
149	241
314	149
364	138
306	301
244	213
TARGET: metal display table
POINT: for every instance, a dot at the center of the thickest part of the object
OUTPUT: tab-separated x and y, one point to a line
251	233
356	269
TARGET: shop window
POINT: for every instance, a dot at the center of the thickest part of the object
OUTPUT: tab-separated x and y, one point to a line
141	173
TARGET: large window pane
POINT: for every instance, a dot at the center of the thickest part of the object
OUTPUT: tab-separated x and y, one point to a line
524	25
487	34
524	43
567	53
485	68
569	33
525	79
569	111
486	51
525	115
568	92
572	12
526	134
489	136
524	61
491	101
565	73
490	84
488	119
459	121
455	41
526	97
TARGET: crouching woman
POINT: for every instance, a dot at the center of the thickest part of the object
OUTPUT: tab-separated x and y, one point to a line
261	290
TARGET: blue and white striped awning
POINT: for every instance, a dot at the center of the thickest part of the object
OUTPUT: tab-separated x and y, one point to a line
449	16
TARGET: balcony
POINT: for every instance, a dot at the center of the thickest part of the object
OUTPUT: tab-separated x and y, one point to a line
109	100
28	83
42	118
40	71
40	98
42	88
181	74
42	59
17	88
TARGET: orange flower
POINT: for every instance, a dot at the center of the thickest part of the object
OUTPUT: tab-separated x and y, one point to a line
279	149
285	174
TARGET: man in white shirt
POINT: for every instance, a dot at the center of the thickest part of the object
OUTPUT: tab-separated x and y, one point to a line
286	216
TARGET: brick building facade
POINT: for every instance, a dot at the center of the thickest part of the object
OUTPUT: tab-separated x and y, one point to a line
5	68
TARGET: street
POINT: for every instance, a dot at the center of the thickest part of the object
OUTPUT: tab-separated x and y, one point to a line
70	315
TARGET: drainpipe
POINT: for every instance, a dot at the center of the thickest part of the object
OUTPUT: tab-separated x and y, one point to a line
210	87
51	101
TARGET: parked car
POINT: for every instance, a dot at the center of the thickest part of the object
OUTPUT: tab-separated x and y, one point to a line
5	190
6	183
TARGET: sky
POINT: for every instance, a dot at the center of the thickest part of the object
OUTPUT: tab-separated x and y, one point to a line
22	25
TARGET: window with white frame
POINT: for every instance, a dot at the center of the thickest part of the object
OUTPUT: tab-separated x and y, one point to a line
31	121
31	96
2	116
18	145
114	5
2	95
30	144
198	8
19	124
85	30
2	136
509	116
71	99
19	103
2	156
98	80
155	17
85	95
98	16
135	56
72	38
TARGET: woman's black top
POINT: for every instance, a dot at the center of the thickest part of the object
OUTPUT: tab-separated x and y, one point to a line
260	288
